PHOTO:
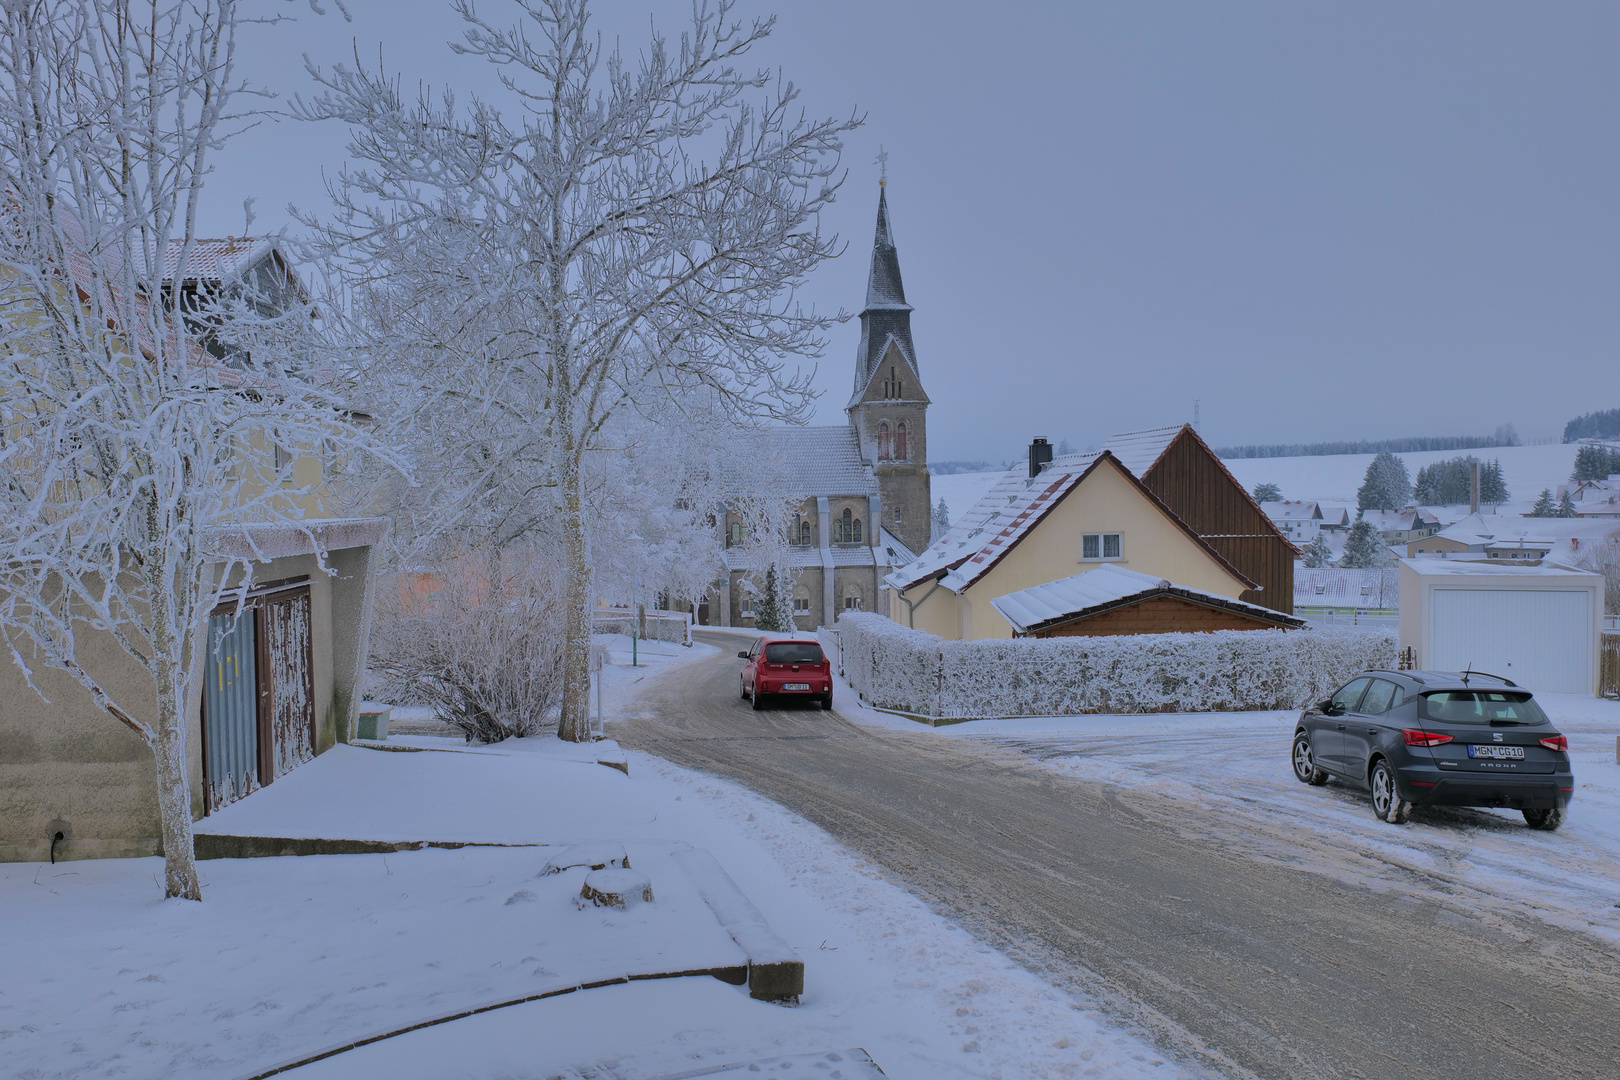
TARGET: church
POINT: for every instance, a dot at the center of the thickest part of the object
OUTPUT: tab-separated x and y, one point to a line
862	489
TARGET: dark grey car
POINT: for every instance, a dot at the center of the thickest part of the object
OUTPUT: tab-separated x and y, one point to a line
1438	738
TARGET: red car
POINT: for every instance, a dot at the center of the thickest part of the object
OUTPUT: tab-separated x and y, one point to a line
786	666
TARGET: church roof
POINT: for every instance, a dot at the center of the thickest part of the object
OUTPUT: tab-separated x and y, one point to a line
883	285
820	461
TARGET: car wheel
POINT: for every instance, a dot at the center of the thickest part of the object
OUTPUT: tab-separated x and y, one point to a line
1545	820
758	700
826	703
1305	762
1387	801
744	686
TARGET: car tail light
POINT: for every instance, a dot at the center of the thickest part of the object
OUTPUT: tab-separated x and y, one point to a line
1415	737
1556	742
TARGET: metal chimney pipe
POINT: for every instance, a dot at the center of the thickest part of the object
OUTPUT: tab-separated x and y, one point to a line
1040	455
1473	490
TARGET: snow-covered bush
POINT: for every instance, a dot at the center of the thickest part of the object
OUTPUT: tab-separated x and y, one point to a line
482	644
910	671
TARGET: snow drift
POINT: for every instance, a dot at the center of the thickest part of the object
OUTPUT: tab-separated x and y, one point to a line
910	671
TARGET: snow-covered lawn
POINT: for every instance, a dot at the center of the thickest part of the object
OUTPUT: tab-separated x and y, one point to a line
287	956
1227	776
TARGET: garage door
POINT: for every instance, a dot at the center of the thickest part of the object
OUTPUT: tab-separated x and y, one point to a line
1539	639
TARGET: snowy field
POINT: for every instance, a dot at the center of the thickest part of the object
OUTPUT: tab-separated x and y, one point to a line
1227	776
287	956
1334	479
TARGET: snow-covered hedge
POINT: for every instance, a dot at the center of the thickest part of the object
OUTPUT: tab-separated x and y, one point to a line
910	671
669	626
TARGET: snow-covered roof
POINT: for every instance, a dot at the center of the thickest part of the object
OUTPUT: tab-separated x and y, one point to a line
1473	530
1399	520
1108	586
1335	515
897	552
819	461
1475	568
217	260
1291	510
1139	450
1341	587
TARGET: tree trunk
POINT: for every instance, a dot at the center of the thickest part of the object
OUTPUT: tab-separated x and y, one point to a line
575	725
173	786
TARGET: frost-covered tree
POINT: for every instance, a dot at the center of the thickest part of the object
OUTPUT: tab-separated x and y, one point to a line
1387	485
1595	463
1317	552
1543	506
1267	492
132	457
1363	548
773	599
1603	557
941	519
630	223
1566	506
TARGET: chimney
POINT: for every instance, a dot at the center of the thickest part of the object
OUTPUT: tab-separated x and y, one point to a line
1473	490
1040	455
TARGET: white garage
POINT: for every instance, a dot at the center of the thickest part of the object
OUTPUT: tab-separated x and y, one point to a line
1540	626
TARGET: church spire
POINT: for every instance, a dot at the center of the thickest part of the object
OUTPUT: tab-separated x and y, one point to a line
884	290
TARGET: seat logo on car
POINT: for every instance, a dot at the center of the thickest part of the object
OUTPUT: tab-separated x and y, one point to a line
1497	735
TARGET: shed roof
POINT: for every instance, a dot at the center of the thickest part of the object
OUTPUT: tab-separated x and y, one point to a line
1460	568
1094	591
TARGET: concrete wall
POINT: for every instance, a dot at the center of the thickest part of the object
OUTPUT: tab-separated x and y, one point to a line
67	761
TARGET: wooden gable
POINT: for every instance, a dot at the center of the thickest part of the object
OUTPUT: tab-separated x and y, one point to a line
1191	480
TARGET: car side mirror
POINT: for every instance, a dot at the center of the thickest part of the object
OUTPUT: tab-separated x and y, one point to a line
1330	708
742	656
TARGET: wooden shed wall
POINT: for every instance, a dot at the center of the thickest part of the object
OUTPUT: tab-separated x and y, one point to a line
1196	486
1156	615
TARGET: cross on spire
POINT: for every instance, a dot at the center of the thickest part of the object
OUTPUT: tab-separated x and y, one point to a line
882	162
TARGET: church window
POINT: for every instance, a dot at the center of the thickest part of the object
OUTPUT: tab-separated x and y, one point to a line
883	441
853	602
846	527
897	518
747	606
900	449
856	538
804	533
801	605
736	534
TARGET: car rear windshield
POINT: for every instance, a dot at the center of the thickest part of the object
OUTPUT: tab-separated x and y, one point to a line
1482	707
793	652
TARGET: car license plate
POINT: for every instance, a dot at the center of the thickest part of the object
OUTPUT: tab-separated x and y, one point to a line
1499	752
806	686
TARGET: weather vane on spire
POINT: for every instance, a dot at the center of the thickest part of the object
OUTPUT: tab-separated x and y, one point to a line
882	162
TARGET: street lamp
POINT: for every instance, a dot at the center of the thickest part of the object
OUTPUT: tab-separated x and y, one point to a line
641	615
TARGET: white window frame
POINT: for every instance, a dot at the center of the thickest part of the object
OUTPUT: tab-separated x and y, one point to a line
801	605
1102	546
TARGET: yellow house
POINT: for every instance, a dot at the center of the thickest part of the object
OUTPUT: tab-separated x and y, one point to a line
277	681
1028	531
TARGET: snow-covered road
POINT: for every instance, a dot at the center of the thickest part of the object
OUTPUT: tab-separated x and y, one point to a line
1226	776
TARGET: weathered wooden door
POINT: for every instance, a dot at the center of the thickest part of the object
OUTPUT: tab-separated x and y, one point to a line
231	709
291	683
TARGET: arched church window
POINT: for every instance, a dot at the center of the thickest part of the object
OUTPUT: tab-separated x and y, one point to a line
900	449
846	533
857	537
804	533
884	449
736	533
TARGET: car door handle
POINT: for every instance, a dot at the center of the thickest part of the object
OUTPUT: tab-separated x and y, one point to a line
1341	727
1372	731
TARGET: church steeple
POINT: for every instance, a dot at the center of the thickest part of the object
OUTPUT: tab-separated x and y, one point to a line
889	408
886	319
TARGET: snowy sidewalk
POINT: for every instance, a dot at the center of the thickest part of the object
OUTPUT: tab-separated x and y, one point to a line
287	956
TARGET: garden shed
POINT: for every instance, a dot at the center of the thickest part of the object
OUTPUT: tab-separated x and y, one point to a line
1540	625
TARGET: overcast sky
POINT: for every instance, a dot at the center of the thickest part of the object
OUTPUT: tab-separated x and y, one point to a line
1322	221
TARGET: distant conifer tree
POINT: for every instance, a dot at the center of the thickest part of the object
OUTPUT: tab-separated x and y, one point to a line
1543	506
1264	493
1566	507
1387	485
1364	548
1317	553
